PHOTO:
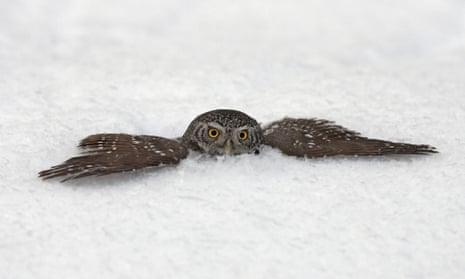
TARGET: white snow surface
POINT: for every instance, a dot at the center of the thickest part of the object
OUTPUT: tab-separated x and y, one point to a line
389	69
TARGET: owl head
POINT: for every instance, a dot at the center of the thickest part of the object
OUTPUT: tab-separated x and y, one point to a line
223	132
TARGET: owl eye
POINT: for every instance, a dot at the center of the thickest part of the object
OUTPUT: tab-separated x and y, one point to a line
213	133
243	135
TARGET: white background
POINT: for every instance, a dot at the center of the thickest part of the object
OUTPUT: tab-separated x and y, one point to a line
389	69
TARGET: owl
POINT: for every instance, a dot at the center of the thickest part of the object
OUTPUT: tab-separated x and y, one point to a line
223	132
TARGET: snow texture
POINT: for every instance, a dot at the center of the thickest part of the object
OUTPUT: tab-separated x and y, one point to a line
389	69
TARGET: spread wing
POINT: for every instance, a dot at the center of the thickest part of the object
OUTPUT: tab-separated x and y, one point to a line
319	138
111	153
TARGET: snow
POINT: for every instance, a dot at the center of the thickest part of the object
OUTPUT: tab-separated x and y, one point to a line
388	69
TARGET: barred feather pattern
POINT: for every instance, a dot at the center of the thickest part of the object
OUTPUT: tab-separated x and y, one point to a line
104	154
314	138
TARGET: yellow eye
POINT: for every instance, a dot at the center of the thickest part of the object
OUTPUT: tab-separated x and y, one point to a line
213	133
243	135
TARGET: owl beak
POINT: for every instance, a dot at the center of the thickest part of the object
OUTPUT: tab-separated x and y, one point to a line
228	147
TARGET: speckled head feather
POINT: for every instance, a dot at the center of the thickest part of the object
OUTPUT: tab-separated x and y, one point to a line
226	118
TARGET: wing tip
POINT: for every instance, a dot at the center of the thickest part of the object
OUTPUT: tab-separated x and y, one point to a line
427	149
51	173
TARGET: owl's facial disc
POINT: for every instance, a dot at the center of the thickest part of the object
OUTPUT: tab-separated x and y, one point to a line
219	140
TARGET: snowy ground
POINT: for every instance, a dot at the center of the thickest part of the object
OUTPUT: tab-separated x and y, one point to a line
389	69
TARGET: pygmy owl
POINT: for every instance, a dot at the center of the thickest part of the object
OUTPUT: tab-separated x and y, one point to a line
223	132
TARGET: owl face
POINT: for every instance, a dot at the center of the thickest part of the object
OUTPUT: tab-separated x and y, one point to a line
224	132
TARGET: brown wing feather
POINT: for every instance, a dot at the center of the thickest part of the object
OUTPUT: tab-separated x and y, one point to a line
319	138
111	153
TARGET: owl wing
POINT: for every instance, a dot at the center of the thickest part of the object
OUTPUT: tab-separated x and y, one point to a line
319	138
111	153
